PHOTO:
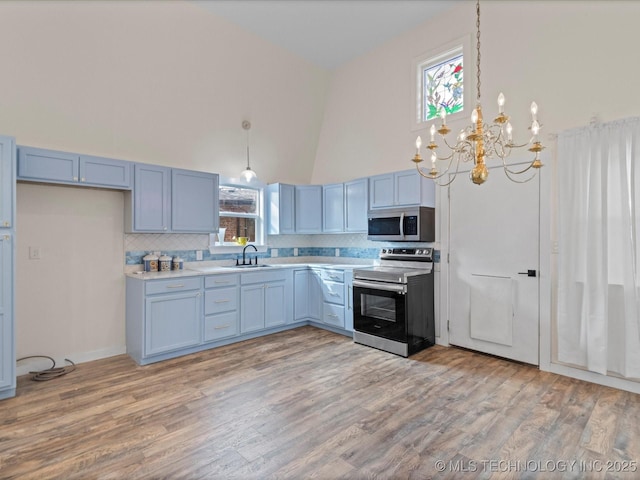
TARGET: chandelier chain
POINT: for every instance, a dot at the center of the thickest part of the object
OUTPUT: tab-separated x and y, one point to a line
478	49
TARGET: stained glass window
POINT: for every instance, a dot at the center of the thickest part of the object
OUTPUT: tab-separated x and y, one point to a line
441	84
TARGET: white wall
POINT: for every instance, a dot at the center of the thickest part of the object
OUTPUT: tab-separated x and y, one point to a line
575	59
163	82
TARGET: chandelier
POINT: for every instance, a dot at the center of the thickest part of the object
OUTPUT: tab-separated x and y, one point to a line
480	140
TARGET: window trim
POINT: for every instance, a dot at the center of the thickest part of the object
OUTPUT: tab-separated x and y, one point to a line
438	55
261	221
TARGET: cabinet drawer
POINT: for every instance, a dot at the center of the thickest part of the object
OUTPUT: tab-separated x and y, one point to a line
220	326
333	275
333	314
220	300
217	281
333	292
172	285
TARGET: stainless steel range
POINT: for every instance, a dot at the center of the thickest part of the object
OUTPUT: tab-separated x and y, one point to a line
393	302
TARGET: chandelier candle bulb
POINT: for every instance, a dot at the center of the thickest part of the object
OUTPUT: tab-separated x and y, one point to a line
418	145
444	117
509	132
501	103
534	111
432	131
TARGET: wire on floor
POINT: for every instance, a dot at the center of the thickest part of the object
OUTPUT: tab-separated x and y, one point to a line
49	373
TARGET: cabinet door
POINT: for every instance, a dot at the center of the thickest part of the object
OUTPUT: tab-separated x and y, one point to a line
47	165
287	209
381	191
172	322
407	188
252	308
315	294
105	172
151	198
7	358
348	299
333	208
301	294
7	182
274	304
194	201
356	197
308	209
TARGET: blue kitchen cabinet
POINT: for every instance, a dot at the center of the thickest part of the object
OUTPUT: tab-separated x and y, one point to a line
50	166
333	208
280	209
405	188
315	294
7	266
7	355
221	306
266	299
194	201
7	182
163	317
301	294
356	200
308	209
333	294
148	207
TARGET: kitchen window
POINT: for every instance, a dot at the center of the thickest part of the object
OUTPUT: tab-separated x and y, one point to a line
439	86
241	215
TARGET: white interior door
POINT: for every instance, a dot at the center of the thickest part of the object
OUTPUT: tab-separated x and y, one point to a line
493	240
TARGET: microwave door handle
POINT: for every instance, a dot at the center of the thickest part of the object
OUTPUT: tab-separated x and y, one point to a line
402	224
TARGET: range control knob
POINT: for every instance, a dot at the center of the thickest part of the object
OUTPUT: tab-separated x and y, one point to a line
384	250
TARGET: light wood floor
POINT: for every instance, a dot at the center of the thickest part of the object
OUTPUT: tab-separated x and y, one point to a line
311	404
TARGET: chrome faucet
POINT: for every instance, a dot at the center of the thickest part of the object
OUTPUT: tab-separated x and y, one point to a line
244	251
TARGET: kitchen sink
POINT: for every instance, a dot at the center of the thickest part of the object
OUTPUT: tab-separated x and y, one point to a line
251	266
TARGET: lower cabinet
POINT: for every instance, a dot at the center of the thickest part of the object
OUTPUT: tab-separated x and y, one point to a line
221	307
266	300
7	356
163	317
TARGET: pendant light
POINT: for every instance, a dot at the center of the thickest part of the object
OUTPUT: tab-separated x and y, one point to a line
248	175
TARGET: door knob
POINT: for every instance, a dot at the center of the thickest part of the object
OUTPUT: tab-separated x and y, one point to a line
528	273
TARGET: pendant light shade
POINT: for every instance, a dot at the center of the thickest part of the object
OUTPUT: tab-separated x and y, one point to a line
248	175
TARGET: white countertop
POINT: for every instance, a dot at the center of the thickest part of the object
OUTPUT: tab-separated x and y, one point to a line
205	268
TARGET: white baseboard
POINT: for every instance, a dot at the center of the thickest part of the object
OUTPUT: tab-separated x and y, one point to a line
33	364
606	380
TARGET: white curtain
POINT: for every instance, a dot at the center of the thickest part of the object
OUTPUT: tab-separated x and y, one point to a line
598	263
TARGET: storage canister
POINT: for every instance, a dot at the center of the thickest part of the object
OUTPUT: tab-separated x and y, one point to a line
165	263
177	264
150	262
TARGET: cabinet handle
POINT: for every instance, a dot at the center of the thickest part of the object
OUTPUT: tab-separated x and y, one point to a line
221	301
75	179
198	294
164	228
6	224
6	237
222	326
221	281
180	285
82	179
334	294
332	315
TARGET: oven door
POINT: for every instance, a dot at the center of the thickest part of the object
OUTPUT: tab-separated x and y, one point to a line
380	309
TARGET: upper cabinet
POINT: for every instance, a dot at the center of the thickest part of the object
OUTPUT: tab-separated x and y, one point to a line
401	189
172	200
194	201
333	208
356	198
308	209
7	181
40	165
280	209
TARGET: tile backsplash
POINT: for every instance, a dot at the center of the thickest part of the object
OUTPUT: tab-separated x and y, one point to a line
351	246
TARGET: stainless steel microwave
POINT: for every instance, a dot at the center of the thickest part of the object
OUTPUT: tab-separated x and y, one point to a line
410	224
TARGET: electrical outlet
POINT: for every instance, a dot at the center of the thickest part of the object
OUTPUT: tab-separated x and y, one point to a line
337	252
198	254
295	251
274	252
34	253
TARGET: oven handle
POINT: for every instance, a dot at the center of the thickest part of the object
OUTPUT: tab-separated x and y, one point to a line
402	224
387	287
